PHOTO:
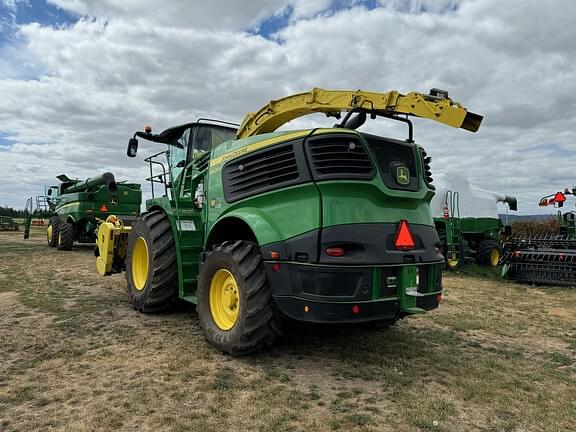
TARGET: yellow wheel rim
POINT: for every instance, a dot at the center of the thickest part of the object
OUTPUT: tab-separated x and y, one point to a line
59	239
494	257
140	263
452	263
49	233
224	299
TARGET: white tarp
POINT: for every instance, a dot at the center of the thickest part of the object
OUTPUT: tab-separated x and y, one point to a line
475	202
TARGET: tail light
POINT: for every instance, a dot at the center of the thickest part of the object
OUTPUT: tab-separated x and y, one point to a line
335	251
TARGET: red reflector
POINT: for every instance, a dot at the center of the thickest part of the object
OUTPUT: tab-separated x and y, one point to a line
274	255
335	251
404	239
355	309
559	197
445	212
276	267
103	208
438	298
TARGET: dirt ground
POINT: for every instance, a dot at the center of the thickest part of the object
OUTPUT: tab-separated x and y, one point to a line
75	356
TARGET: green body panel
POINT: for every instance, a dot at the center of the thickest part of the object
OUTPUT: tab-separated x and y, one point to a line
272	216
485	227
472	229
84	208
349	202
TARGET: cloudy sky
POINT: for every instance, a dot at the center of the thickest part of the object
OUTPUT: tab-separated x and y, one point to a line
78	77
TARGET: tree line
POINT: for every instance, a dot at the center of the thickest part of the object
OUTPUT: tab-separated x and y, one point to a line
20	213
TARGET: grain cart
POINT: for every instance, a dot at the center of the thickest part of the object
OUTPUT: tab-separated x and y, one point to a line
325	225
545	259
76	206
467	221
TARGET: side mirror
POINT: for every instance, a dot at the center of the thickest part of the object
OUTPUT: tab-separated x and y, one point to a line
132	147
49	192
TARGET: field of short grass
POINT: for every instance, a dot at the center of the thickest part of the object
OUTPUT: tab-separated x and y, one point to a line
74	356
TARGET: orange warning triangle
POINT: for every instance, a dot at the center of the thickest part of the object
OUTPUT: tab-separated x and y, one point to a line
103	208
404	239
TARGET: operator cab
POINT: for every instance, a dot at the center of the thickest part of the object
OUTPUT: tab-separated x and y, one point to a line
189	146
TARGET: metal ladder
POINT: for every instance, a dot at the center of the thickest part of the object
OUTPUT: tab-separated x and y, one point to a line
454	227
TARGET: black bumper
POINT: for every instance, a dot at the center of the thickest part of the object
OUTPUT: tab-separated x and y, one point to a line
345	294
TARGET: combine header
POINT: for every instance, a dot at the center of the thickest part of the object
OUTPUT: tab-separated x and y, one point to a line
548	259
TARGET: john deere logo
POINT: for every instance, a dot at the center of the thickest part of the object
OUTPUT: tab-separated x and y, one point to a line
114	201
402	175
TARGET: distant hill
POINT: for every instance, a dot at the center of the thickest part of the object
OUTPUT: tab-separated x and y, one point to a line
525	218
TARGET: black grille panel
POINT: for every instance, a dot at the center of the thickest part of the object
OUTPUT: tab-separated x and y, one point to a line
339	157
262	171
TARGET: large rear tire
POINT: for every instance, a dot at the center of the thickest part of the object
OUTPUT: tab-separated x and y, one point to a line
488	253
151	270
66	236
235	300
52	231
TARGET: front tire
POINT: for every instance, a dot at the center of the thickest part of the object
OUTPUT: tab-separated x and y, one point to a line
52	231
66	236
235	300
151	271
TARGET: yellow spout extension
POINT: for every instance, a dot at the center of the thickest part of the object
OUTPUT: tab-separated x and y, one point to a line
436	106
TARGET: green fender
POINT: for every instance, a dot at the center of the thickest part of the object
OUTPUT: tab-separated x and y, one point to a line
260	224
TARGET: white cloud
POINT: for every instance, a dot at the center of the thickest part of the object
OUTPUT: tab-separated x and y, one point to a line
90	85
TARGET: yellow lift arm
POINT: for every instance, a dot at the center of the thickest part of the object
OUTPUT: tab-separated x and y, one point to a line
436	106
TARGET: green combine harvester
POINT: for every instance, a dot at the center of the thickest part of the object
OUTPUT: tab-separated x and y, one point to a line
467	221
326	225
78	205
8	224
548	259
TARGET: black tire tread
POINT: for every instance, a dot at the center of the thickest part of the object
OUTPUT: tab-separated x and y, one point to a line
65	236
55	222
485	247
259	326
161	290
